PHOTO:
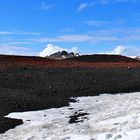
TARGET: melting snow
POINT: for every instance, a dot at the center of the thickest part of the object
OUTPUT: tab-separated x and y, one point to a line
108	117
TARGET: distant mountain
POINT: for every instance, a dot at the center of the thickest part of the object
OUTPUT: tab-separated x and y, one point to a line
62	55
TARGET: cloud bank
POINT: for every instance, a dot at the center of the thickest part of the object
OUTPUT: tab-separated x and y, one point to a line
130	51
14	50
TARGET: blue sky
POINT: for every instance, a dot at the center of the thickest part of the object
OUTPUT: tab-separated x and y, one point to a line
28	27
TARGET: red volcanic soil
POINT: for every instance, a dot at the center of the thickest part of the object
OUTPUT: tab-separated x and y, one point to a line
89	61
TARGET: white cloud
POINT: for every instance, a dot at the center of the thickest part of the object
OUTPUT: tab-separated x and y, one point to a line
74	49
75	38
113	1
104	2
5	33
82	6
118	35
128	50
14	50
25	33
45	6
78	38
118	50
19	43
50	49
66	38
18	33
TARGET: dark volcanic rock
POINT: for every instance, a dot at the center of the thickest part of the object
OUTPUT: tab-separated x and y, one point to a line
8	123
78	117
103	58
62	55
29	89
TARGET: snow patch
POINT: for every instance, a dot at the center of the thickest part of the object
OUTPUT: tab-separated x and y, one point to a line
108	117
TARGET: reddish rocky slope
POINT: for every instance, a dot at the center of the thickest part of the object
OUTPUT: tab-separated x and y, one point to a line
91	61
